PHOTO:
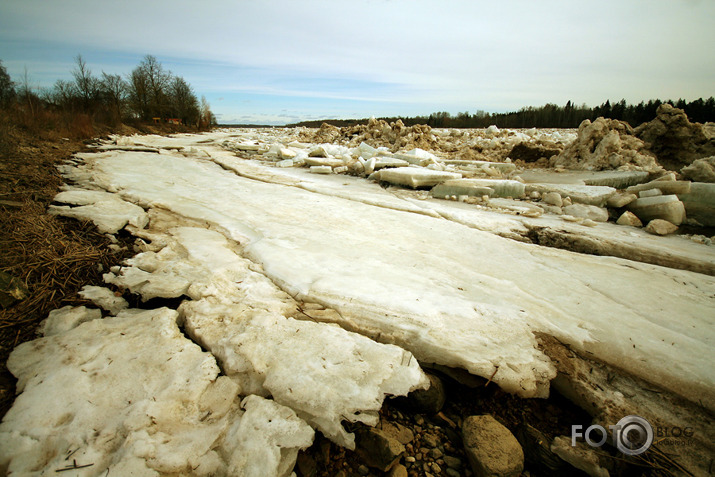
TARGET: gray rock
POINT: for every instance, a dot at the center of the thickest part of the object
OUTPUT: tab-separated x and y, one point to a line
452	462
430	440
378	449
492	450
428	400
403	434
660	227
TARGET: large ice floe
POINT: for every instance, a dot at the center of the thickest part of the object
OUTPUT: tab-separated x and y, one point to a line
306	299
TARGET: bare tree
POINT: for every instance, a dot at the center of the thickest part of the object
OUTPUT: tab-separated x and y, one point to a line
87	86
114	89
138	93
7	87
183	102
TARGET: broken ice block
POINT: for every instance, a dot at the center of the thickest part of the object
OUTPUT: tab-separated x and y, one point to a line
501	188
584	194
416	176
666	187
700	203
321	169
460	187
666	207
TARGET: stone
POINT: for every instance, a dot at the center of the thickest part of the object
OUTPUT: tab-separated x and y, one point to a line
431	400
617	201
452	462
581	456
415	176
402	433
552	198
629	218
700	203
306	465
430	440
321	169
398	471
452	473
491	448
436	453
377	448
598	214
650	193
363	470
666	207
660	227
701	170
674	139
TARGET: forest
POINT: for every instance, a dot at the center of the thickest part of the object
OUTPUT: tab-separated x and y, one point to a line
550	115
149	93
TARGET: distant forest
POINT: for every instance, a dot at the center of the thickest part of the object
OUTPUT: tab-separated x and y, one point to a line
549	116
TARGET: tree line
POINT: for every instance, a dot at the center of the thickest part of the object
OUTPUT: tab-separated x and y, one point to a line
568	116
548	116
148	93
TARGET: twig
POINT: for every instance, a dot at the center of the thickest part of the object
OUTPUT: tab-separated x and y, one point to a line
492	376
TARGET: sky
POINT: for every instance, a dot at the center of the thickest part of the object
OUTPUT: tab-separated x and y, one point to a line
283	61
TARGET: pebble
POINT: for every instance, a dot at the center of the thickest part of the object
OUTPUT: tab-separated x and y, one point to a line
430	440
452	462
363	470
409	458
436	469
453	473
419	420
435	453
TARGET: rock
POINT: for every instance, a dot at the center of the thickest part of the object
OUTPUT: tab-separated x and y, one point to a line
429	401
700	203
491	449
12	289
701	170
598	214
532	152
453	473
377	449
104	298
650	193
552	198
363	470
660	227
617	201
435	453
666	187
582	456
452	462
666	207
606	144
321	169
415	176
430	440
674	139
398	471
629	218
402	433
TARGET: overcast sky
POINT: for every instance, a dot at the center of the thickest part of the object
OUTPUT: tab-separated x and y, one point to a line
279	61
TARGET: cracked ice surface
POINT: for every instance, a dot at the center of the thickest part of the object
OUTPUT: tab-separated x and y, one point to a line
449	293
131	394
324	373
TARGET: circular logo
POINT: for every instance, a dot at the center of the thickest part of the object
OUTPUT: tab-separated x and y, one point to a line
633	435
